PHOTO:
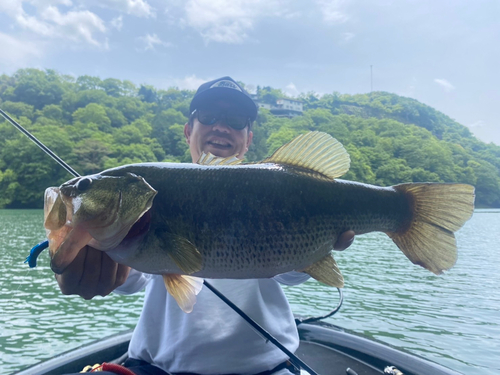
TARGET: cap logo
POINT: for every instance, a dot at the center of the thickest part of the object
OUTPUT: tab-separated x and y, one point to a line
227	84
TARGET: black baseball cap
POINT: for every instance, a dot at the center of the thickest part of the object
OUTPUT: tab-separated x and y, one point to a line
224	88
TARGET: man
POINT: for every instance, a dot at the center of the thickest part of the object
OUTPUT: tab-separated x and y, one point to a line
212	339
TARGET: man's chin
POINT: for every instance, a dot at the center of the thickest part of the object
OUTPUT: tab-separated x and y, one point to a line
219	151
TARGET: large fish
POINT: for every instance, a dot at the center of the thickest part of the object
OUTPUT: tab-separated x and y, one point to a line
219	220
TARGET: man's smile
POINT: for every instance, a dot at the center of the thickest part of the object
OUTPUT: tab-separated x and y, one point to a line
219	142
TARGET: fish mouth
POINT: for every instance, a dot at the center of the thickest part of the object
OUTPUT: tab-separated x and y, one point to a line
61	228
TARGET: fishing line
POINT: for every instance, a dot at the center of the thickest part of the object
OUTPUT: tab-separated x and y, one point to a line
37	249
16	293
322	317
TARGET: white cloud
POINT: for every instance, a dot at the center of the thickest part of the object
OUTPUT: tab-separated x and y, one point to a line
47	3
138	8
47	21
477	124
333	11
77	26
149	42
190	82
291	90
447	86
20	52
347	37
227	21
117	22
11	8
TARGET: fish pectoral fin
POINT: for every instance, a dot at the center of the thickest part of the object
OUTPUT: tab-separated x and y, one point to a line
326	271
316	151
185	255
211	159
184	289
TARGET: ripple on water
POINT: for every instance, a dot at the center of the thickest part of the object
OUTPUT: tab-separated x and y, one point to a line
451	319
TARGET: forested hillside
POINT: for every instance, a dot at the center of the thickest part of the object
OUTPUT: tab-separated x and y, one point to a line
95	124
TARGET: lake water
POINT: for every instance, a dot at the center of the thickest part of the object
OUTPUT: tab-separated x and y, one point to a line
452	319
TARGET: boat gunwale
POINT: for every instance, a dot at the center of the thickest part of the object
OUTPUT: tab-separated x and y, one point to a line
370	352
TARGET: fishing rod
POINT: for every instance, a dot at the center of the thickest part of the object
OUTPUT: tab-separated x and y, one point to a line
37	249
61	162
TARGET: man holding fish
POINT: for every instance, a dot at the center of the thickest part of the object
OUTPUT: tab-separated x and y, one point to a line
211	339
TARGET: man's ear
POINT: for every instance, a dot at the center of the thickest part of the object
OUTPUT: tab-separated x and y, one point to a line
250	137
187	132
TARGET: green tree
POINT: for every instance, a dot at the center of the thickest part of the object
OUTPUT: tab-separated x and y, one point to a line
94	124
37	88
92	155
113	87
18	109
148	94
127	135
8	187
93	114
88	83
161	124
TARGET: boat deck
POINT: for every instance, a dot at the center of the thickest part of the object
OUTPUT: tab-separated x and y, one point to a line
327	349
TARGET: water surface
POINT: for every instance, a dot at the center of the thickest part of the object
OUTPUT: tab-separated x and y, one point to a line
452	319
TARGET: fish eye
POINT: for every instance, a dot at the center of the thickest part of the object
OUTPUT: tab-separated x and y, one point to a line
83	184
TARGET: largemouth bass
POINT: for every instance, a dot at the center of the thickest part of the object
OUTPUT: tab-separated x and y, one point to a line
218	219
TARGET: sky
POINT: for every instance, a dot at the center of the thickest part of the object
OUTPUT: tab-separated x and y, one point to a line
444	53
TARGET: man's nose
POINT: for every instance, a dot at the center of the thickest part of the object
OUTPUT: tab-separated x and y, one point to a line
221	126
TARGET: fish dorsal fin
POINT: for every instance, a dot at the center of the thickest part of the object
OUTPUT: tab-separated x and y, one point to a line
316	151
184	289
211	159
326	271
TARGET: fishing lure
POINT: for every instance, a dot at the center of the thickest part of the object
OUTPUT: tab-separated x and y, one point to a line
35	252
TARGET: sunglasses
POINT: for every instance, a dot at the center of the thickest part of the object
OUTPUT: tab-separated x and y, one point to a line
209	117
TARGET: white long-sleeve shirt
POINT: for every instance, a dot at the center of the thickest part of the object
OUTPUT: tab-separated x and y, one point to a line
213	339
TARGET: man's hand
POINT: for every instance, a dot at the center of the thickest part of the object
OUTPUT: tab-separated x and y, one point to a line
92	273
344	241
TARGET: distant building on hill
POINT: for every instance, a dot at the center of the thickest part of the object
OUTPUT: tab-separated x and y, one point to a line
284	107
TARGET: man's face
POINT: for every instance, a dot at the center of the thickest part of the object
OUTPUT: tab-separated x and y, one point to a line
218	139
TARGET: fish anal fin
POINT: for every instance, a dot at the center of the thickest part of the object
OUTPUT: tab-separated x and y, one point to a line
184	253
439	210
326	271
211	159
314	151
184	289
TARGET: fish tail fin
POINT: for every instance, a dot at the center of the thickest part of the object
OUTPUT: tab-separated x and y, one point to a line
439	210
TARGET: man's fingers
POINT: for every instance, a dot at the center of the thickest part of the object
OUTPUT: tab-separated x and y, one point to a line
69	280
107	278
121	275
92	273
89	283
344	241
69	249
